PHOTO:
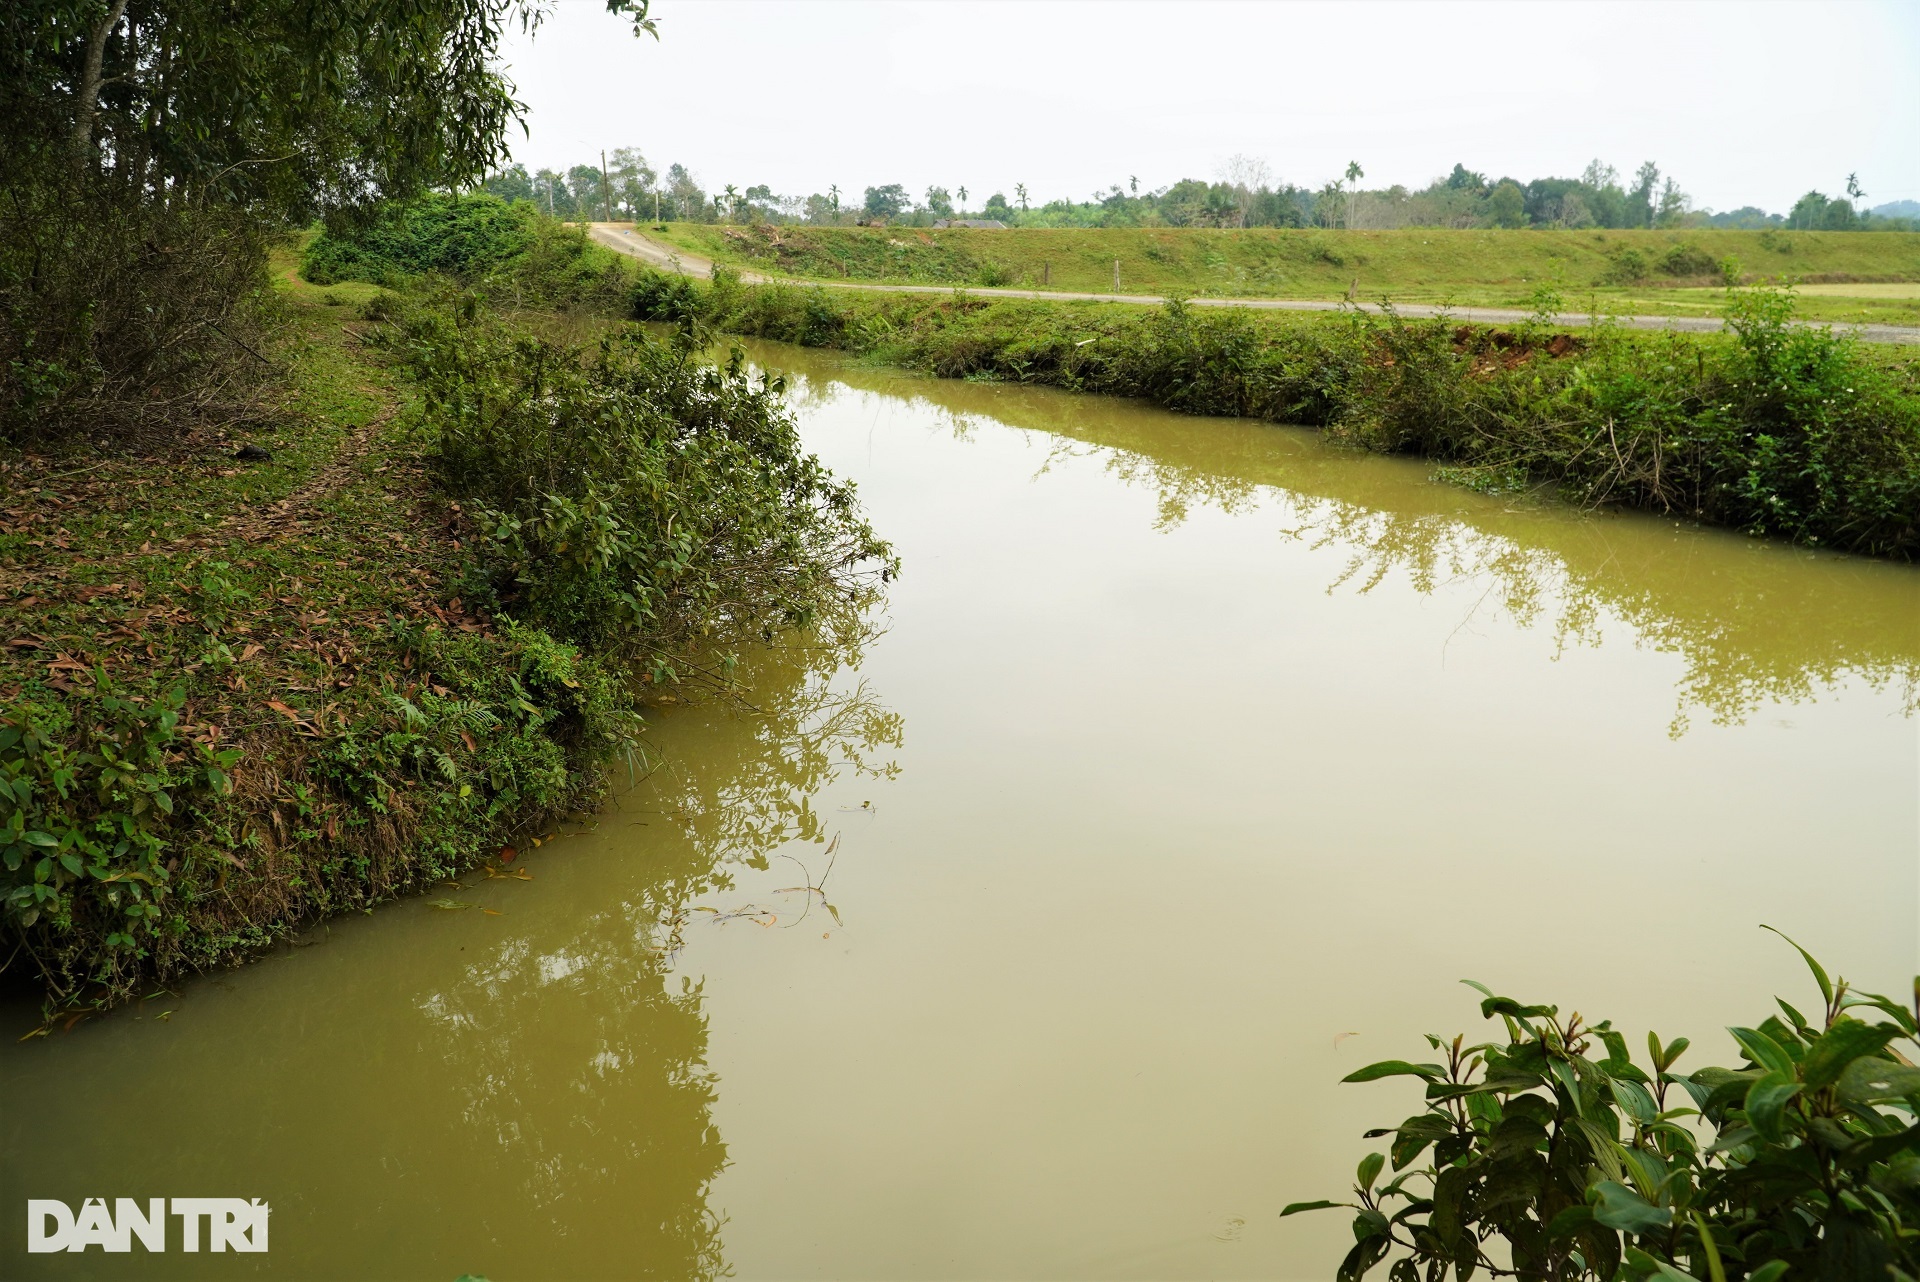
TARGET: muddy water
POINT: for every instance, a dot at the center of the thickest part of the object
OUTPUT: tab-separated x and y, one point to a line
1196	764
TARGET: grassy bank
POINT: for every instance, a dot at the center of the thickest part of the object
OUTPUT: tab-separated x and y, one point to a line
414	626
1772	429
1627	272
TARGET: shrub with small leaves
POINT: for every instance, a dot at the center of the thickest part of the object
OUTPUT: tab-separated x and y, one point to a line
90	791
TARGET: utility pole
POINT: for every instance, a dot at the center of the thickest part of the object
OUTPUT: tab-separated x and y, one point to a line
1116	275
606	186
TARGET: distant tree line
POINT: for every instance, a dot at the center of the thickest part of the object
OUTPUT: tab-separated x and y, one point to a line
1245	194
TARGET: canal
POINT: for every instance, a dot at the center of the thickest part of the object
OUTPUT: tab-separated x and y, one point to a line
1190	765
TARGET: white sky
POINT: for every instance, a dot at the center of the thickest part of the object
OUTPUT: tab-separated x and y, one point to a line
1744	103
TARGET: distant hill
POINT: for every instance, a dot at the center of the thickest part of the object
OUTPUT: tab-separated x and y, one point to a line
1898	209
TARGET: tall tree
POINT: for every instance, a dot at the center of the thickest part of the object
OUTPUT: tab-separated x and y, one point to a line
1245	175
886	202
153	143
285	105
1640	207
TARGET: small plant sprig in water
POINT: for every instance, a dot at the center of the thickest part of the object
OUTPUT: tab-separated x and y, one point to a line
1553	1156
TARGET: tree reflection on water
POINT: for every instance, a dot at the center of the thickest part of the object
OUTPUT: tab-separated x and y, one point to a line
582	1057
1752	621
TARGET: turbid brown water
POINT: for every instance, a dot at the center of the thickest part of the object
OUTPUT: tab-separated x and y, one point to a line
1196	763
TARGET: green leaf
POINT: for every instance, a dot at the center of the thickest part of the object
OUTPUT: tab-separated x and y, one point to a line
1569	1222
1876	1079
1648	1266
1449	1191
1361	1259
1604	1147
1395	1068
1766	1103
1294	1208
1768	1272
1635	1102
1819	974
1716	1271
1507	1006
1369	1170
1500	1081
1645	1169
1619	1207
1847	1040
72	863
1763	1050
1415	1134
39	839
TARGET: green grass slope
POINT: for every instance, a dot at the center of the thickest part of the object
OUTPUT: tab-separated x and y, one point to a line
1660	272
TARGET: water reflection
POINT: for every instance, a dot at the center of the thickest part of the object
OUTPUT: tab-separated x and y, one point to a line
519	1087
1753	622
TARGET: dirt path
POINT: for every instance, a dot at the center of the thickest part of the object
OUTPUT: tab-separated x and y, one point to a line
667	258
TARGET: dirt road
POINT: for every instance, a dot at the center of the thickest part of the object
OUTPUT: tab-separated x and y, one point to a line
667	258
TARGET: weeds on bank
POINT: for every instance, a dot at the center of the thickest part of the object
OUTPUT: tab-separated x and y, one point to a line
1773	428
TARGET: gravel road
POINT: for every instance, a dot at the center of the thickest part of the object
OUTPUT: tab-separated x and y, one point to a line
667	258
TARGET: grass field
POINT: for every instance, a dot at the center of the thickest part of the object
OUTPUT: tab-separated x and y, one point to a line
1677	273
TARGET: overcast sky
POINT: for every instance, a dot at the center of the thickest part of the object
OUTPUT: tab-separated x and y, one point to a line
1744	103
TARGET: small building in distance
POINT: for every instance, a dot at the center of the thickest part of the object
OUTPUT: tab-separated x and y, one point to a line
978	224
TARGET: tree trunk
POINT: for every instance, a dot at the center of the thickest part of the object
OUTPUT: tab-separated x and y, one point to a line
87	97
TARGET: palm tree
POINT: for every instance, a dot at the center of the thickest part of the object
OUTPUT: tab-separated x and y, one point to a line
733	202
834	192
963	200
1354	175
1020	194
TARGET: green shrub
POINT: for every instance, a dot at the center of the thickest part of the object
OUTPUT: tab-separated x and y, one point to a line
1689	260
1629	268
120	317
1554	1156
91	789
460	236
128	852
993	274
1814	441
632	497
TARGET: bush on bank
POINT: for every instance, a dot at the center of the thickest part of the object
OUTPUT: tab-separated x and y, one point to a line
526	259
1773	428
299	696
630	496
